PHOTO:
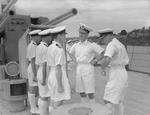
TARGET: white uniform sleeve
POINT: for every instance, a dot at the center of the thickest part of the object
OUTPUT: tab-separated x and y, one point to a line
44	54
49	57
31	52
72	49
55	57
37	56
98	49
110	50
60	57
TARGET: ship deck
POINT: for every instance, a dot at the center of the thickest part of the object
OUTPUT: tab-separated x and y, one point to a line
137	100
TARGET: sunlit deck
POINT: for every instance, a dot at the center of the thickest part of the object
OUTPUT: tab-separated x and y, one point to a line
137	101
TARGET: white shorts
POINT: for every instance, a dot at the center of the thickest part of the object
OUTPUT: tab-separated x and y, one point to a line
85	81
52	85
30	77
116	86
43	90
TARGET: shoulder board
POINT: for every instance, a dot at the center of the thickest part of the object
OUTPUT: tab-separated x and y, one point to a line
46	45
34	43
76	42
58	46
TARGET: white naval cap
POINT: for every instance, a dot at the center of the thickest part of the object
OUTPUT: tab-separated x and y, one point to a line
58	29
84	28
105	31
34	32
69	41
45	32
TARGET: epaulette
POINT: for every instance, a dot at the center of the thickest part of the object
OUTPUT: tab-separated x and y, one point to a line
34	43
46	45
58	45
77	41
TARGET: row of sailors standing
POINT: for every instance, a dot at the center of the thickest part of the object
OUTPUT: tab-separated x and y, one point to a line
52	77
47	69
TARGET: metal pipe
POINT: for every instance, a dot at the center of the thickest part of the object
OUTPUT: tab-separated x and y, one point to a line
7	8
9	5
57	20
3	22
63	17
139	71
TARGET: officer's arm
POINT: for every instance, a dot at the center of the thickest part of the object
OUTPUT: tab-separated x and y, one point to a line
99	52
100	57
33	66
105	62
109	53
44	70
71	56
59	75
71	52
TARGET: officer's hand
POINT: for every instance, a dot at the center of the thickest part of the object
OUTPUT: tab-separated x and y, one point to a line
60	89
94	61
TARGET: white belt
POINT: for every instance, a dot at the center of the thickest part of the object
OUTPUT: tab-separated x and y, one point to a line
117	66
83	62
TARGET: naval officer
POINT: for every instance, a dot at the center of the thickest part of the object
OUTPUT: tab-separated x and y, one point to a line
84	52
32	72
40	61
116	57
58	82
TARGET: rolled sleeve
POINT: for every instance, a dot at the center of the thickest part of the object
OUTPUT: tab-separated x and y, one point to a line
44	55
31	53
110	50
60	58
55	57
72	49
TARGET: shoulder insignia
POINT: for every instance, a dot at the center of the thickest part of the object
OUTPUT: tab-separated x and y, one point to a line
46	45
34	43
58	45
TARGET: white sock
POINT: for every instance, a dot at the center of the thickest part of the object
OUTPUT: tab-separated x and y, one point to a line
43	107
32	101
121	109
111	109
50	109
92	100
83	100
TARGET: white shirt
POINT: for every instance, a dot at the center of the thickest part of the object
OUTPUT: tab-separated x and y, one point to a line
31	50
117	52
55	55
41	52
85	51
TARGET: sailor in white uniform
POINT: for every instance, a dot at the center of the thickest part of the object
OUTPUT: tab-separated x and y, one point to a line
84	52
58	82
40	61
32	72
116	57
